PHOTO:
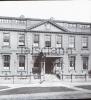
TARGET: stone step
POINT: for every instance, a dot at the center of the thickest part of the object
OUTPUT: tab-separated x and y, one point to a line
50	77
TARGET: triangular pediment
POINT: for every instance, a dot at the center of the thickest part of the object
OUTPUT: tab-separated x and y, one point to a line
48	26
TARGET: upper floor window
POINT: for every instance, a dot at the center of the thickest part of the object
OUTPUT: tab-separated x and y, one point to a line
36	40
6	61
48	41
84	42
6	39
71	42
21	40
59	41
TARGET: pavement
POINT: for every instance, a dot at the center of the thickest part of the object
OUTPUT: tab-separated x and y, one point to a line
46	90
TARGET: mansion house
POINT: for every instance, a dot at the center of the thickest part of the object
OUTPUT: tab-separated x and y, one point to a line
30	46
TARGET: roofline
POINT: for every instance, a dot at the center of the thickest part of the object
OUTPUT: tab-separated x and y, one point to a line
39	19
73	22
60	27
24	30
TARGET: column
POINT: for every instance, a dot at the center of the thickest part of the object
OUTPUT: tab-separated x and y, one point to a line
78	63
30	63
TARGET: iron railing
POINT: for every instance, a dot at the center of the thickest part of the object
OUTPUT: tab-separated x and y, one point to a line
41	78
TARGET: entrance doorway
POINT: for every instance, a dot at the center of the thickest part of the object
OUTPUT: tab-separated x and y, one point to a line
49	65
52	64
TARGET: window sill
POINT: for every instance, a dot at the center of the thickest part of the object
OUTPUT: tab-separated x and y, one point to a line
59	48
36	47
21	69
21	72
6	47
19	46
47	47
84	49
71	48
6	72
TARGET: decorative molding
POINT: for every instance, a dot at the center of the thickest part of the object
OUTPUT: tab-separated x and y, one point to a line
24	30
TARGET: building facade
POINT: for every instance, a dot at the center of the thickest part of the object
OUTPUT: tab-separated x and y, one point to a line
29	46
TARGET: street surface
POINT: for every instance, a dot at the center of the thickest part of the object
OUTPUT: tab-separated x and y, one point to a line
45	90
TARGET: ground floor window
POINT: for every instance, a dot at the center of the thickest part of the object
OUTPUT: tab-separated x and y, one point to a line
22	62
85	62
72	61
6	61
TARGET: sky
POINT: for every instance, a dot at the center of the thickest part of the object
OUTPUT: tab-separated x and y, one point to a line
69	10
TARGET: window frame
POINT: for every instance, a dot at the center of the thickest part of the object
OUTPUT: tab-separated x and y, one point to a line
8	38
19	39
36	44
72	61
84	42
46	41
22	67
57	41
71	42
86	67
6	62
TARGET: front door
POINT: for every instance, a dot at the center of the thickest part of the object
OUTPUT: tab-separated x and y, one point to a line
49	65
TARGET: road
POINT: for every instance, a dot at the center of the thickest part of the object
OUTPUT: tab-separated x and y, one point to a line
60	92
30	90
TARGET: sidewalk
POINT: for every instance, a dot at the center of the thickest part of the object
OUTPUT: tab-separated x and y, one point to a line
71	85
48	84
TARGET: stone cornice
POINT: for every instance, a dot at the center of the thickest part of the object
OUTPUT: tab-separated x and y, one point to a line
25	30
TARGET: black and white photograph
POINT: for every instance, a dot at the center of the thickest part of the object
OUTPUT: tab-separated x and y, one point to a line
45	50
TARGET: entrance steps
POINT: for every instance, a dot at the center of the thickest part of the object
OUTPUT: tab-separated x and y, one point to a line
51	77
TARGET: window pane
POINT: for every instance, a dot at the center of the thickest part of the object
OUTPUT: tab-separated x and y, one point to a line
84	42
47	41
21	39
71	42
21	61
71	39
59	41
48	38
6	39
48	44
58	45
36	40
71	45
72	61
6	59
85	62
